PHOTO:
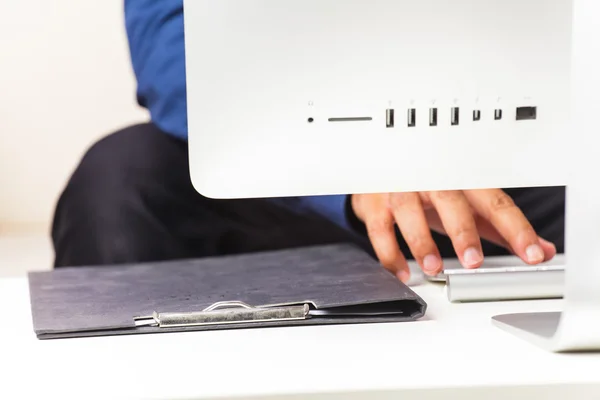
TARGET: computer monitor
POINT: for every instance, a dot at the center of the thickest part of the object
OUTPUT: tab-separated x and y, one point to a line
312	97
322	97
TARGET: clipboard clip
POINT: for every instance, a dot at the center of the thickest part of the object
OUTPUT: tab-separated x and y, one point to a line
225	312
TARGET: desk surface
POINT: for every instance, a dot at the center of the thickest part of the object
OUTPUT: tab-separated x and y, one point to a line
454	349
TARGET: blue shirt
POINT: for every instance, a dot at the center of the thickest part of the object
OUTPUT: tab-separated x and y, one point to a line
156	42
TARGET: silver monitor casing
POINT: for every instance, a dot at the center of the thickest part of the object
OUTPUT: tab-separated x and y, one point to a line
259	70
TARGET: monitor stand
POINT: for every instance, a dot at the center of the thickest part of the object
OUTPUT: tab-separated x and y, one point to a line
577	327
571	330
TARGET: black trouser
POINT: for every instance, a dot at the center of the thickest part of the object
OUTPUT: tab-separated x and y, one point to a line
131	200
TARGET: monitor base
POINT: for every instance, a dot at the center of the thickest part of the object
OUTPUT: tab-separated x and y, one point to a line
558	332
539	328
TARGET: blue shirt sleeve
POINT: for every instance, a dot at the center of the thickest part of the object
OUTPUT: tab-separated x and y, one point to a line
336	209
155	32
157	47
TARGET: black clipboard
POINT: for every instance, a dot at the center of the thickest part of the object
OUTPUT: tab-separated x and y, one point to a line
332	284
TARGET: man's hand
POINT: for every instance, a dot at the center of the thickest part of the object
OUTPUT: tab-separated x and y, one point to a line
464	216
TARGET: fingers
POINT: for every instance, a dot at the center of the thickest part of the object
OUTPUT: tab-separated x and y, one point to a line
408	212
380	229
456	216
488	232
508	220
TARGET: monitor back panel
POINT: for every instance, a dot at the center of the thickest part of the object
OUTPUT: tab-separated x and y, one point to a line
315	97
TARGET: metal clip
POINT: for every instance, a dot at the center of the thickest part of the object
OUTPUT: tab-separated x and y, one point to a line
225	312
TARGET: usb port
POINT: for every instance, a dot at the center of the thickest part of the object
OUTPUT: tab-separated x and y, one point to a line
412	118
477	115
455	116
498	114
389	118
433	117
526	113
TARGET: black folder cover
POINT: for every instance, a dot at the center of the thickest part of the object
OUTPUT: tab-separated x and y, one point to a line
340	281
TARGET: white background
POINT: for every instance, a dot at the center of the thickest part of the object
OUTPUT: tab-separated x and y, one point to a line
65	81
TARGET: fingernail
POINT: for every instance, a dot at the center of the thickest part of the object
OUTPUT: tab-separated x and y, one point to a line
472	257
404	276
534	253
432	264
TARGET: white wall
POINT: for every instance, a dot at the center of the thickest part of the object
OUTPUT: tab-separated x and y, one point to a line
65	80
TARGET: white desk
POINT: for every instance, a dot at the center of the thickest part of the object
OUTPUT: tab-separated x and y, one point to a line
454	353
